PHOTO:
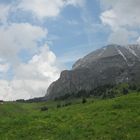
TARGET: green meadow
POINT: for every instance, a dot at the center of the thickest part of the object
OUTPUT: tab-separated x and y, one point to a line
96	119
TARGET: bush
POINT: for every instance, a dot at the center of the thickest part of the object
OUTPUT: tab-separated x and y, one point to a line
58	105
138	89
84	100
109	94
125	91
44	108
67	104
132	87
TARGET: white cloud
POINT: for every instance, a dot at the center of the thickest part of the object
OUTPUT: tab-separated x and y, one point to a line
15	37
42	66
126	12
80	3
42	8
109	18
47	8
32	78
122	17
21	89
122	36
4	67
4	10
138	40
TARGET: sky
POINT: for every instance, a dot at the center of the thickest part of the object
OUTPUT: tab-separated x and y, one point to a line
40	38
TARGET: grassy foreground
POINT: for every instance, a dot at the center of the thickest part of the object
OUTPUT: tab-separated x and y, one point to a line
110	119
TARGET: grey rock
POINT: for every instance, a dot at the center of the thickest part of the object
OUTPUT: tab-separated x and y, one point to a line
111	64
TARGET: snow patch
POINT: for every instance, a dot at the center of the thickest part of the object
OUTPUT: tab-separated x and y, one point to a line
131	51
122	55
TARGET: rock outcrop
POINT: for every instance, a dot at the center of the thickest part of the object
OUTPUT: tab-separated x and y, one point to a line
111	64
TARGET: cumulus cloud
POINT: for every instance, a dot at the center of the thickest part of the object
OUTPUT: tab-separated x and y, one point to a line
47	8
4	10
15	37
122	17
122	36
80	3
122	13
42	8
31	79
41	66
4	68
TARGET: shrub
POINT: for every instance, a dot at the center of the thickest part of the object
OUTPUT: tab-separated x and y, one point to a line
125	91
138	89
132	87
67	104
109	94
58	105
84	100
44	108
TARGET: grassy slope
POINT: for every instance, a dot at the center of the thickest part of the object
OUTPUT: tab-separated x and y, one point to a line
111	119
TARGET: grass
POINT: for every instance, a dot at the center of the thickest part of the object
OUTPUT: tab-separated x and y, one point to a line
110	119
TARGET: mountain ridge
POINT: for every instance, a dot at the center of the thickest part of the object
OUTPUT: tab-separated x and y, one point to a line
112	64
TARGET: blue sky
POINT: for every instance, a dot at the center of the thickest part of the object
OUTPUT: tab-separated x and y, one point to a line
69	32
40	38
72	36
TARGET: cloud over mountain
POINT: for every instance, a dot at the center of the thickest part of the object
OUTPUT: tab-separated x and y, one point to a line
123	19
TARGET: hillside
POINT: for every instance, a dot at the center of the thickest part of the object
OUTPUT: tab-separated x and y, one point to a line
110	65
110	119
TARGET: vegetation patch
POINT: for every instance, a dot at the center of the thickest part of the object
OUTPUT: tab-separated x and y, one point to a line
97	119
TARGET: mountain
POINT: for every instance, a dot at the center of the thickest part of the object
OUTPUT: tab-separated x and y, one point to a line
110	65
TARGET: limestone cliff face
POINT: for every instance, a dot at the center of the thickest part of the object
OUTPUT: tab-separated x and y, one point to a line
112	64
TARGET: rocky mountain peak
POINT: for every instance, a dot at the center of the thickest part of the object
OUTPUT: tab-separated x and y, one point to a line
129	53
111	64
